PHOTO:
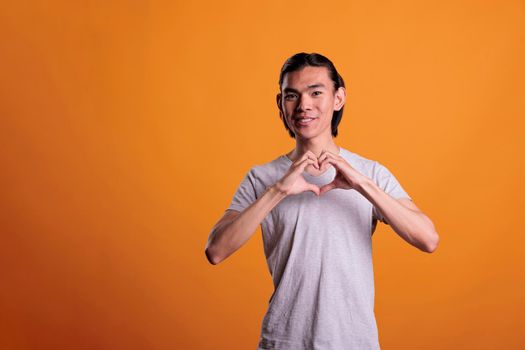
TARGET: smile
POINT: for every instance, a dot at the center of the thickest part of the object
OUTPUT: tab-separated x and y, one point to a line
304	121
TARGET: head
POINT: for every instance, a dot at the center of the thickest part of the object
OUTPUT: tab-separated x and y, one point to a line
296	98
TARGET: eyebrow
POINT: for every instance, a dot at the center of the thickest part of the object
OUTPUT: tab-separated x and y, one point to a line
313	86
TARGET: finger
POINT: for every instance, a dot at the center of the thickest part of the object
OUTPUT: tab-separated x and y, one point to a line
304	156
327	161
321	161
310	155
327	154
315	162
323	156
327	188
305	163
301	161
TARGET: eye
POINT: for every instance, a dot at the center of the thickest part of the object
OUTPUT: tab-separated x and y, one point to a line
289	96
317	93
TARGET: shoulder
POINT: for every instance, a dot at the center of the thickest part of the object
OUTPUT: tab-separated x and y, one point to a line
379	173
269	166
362	164
265	173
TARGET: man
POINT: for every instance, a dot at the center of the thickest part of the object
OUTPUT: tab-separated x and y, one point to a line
318	207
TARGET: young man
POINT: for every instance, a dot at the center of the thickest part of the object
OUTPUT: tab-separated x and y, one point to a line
318	207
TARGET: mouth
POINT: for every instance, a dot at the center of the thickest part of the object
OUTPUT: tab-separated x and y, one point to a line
304	121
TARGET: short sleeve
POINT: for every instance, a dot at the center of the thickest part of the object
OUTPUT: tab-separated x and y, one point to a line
245	194
388	183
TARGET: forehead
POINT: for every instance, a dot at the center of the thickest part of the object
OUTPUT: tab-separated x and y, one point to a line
307	76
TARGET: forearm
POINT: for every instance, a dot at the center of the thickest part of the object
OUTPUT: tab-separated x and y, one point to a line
228	238
413	226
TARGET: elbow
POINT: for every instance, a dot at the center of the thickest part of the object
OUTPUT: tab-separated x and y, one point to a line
432	243
212	258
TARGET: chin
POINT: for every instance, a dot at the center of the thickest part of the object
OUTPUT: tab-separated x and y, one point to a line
305	136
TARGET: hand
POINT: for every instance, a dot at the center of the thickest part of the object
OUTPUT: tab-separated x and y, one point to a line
346	177
293	181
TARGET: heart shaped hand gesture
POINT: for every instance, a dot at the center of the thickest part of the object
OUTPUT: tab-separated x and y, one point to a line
293	182
346	177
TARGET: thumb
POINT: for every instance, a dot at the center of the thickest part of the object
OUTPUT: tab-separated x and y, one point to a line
314	189
327	188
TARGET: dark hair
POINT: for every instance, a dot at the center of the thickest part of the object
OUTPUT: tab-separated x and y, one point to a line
301	60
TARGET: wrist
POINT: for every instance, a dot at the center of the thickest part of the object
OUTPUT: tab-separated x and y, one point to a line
276	190
365	185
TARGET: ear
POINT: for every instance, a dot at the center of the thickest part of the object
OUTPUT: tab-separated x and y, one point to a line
340	98
278	99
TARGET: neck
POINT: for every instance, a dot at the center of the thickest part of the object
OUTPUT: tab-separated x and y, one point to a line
313	145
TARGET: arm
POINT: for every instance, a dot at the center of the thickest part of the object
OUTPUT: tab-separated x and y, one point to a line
235	228
403	216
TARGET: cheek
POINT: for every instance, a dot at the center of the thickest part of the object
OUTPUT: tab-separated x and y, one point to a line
330	105
289	108
326	106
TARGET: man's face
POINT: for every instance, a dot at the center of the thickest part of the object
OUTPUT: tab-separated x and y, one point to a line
308	101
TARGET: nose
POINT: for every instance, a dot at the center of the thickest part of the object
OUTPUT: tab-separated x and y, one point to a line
305	103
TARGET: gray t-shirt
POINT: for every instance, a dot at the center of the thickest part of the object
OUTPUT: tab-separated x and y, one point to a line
319	253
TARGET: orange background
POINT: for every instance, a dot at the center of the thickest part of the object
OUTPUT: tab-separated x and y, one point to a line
126	127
